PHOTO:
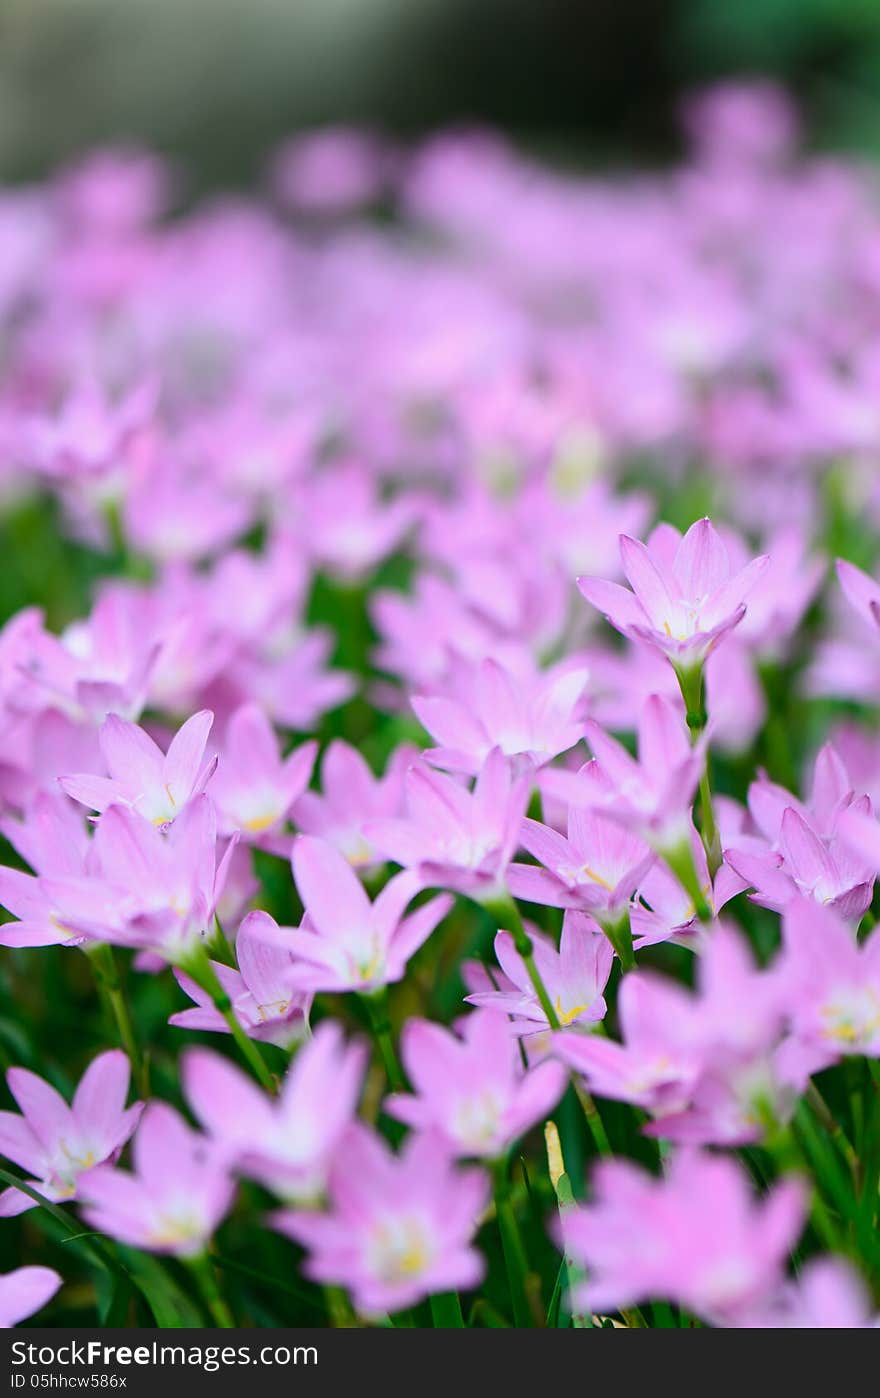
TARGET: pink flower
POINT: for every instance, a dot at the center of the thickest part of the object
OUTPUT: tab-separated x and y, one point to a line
685	596
24	1291
351	797
262	1000
703	1064
453	837
346	526
696	1237
92	440
652	796
827	1295
399	1227
861	591
144	888
347	942
808	849
55	1143
331	170
53	840
178	1194
470	1087
574	977
288	1144
659	1062
255	788
155	784
531	720
833	984
596	868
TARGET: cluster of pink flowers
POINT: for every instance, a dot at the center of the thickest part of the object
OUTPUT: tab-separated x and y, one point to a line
413	469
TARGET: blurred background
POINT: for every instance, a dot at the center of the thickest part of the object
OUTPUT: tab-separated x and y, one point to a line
216	82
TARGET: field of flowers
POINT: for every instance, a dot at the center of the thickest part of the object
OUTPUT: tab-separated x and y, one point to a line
439	738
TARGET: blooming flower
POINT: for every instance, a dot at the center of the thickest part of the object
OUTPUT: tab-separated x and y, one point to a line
695	1237
347	942
574	977
806	849
259	991
179	1192
288	1144
145	888
827	1295
532	720
398	1228
861	591
685	596
351	798
55	1142
652	796
255	788
53	840
471	1089
708	1066
833	985
155	784
596	868
454	837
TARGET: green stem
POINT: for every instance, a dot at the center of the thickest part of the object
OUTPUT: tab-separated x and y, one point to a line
380	1023
515	1259
593	1119
446	1311
203	1272
202	972
508	916
692	687
680	859
106	974
619	934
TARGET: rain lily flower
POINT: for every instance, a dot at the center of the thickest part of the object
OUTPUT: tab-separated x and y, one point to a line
56	1143
347	942
827	1295
833	984
529	720
685	596
861	591
24	1291
178	1194
144	888
697	1237
53	840
155	784
705	1064
454	837
574	977
260	993
658	1064
398	1228
288	1144
652	796
805	849
255	788
596	868
351	798
471	1089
